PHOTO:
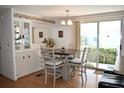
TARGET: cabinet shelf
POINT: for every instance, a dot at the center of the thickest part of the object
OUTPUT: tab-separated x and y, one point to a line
22	33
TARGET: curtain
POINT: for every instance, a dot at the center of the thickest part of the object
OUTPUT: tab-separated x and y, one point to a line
77	34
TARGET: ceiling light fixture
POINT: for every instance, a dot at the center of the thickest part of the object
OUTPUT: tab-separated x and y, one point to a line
68	21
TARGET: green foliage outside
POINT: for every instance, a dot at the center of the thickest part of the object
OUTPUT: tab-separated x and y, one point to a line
107	56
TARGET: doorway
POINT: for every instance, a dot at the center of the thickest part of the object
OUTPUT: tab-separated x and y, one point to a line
104	40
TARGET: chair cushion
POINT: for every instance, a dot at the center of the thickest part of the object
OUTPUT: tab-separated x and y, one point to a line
75	61
57	62
111	80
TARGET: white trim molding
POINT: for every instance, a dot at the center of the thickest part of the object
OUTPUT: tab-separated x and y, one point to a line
19	15
100	17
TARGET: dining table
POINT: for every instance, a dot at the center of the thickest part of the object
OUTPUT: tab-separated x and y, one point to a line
65	53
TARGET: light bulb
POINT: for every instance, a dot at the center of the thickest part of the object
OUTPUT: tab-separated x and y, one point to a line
69	22
63	22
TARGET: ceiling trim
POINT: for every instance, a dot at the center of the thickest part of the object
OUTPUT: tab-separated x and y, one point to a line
19	15
100	17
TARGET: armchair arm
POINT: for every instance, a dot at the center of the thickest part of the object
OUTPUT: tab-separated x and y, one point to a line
112	72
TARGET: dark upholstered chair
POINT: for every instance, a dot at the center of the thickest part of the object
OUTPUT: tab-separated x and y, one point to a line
111	79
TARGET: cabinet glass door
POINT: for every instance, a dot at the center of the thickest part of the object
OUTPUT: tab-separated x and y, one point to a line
17	35
26	35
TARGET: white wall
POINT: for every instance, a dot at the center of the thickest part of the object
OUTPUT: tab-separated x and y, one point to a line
7	42
68	35
40	27
51	30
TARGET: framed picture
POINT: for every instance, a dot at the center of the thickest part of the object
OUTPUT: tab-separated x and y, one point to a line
40	34
60	33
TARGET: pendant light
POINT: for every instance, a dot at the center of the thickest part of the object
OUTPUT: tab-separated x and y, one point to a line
68	21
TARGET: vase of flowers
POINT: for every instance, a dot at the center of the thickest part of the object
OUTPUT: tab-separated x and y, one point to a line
49	42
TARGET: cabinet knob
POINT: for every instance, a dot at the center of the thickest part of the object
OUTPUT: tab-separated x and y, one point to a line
23	36
29	56
20	37
23	57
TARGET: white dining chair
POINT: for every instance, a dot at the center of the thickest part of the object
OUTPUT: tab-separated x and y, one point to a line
81	61
51	64
70	46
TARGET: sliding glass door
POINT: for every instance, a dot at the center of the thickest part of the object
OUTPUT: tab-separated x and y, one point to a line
104	40
89	39
109	43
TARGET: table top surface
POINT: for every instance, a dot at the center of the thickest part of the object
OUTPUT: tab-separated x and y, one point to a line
65	51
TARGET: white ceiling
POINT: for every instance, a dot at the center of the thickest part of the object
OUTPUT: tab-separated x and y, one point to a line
59	10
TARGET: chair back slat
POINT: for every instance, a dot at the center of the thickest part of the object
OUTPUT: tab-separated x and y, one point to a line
48	54
78	54
85	54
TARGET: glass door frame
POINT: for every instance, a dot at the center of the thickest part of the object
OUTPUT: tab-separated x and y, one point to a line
97	62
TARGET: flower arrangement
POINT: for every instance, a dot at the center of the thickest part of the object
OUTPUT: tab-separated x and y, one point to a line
49	42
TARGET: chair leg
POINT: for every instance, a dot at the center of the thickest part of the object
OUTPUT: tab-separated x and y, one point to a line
54	77
63	73
74	69
45	75
82	75
72	73
85	73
